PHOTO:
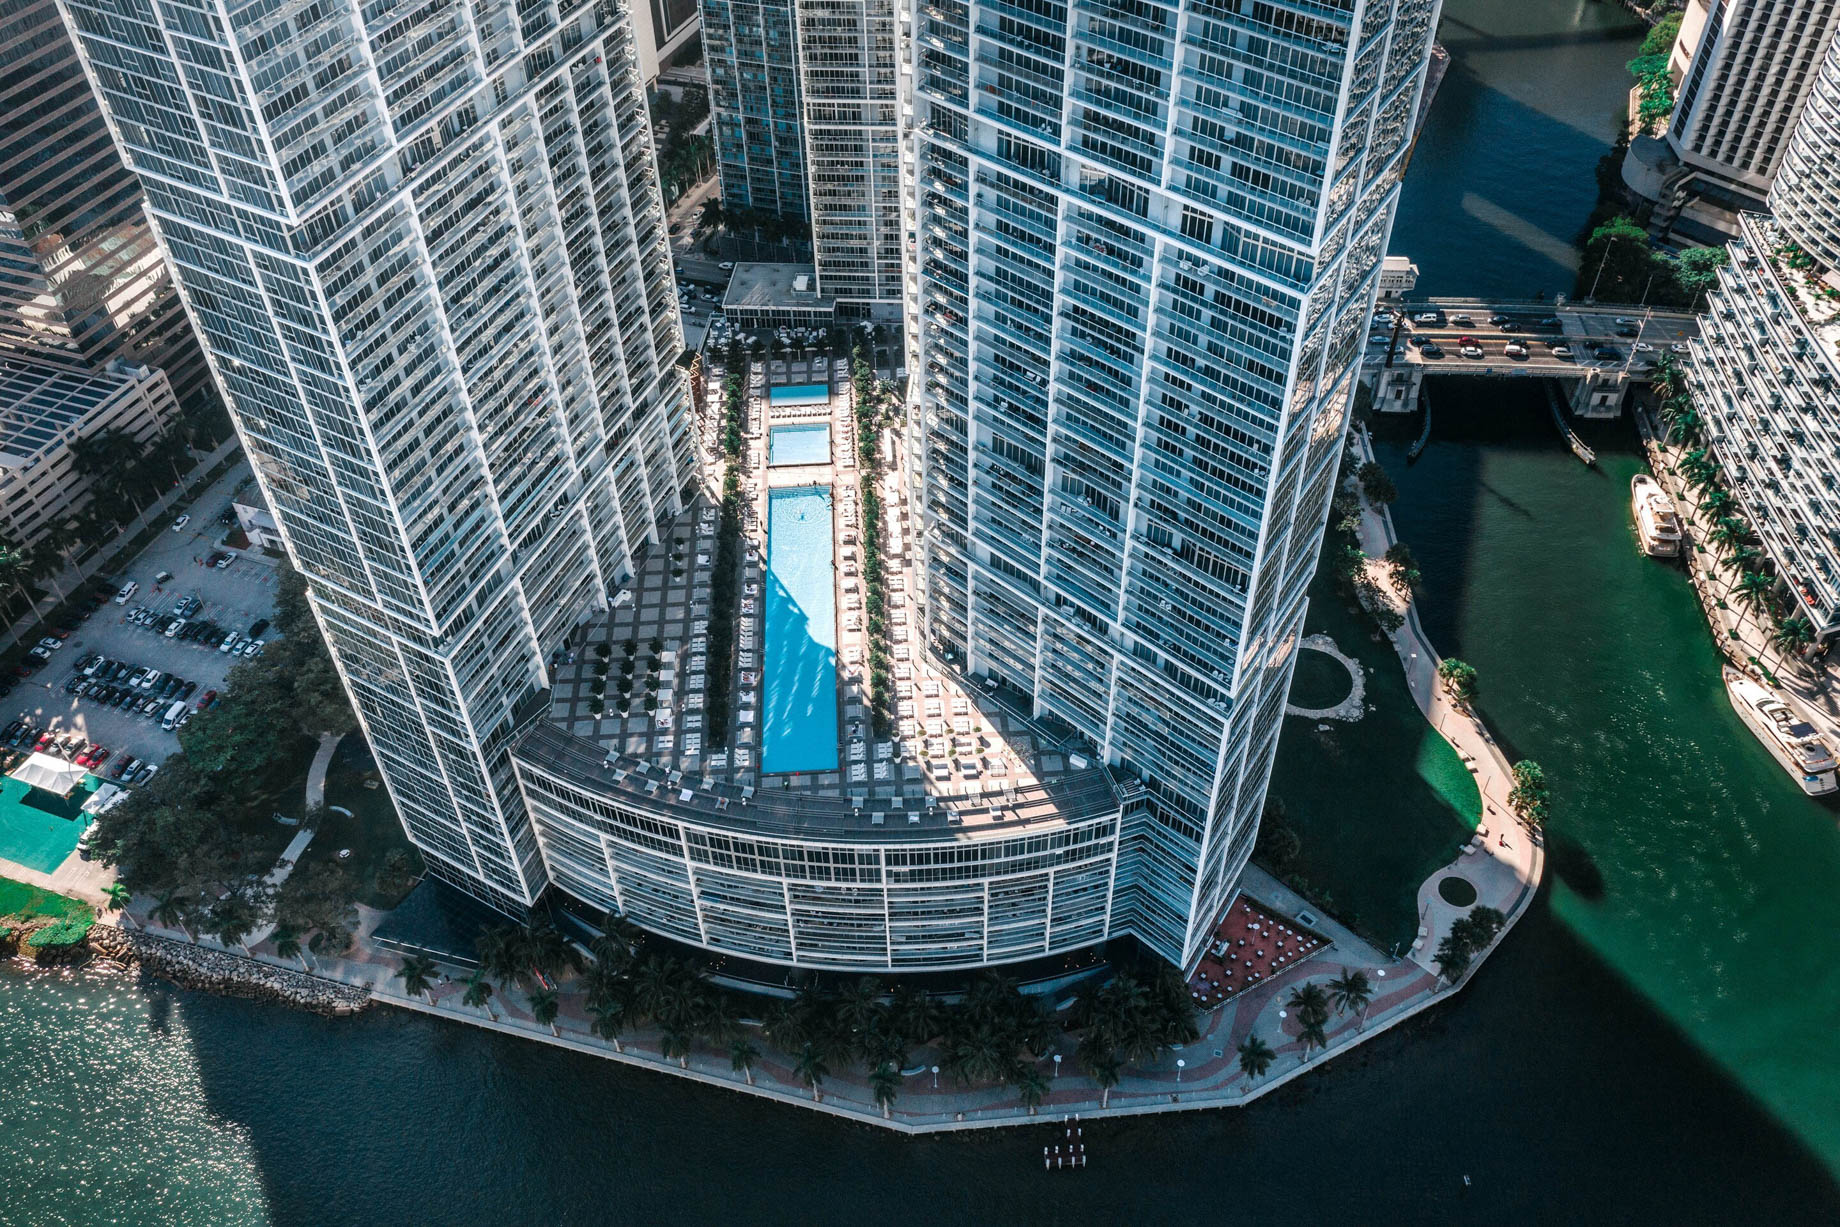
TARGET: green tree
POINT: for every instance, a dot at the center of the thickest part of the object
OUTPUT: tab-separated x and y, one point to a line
287	946
544	1005
1452	959
1661	36
1617	262
174	910
1404	567
810	1069
741	1057
885	1085
1793	635
1459	678
117	897
1030	1086
1697	270
1728	534
1529	797
1104	1069
1376	484
1311	1035
417	974
1310	1002
478	993
1351	991
1753	591
1255	1056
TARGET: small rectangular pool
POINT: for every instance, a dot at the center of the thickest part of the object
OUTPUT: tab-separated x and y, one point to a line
807	444
800	394
799	683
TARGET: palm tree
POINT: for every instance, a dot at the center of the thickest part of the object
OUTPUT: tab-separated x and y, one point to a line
174	909
811	1070
1718	502
1753	591
884	1085
479	993
860	1006
1743	558
117	896
657	987
545	948
417	974
612	1011
1255	1056
618	942
1104	1071
497	955
544	1007
1312	1036
1351	991
1729	533
674	1044
914	1015
1793	635
981	1055
1030	1086
741	1057
287	946
1310	1002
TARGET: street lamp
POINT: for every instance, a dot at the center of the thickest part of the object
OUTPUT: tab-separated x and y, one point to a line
935	1077
1057	1065
1180	1066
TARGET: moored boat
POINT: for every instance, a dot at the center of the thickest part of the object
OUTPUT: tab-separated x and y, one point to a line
1657	519
1794	742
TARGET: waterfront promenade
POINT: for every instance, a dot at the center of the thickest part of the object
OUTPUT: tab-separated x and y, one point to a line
1504	864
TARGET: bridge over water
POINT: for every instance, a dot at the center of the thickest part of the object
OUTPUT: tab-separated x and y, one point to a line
1568	342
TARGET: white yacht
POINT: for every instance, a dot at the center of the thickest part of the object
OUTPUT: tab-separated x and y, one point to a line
1657	521
1796	743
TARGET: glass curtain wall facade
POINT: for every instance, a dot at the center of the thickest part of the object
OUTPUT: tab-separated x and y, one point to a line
851	88
1148	244
79	262
750	47
1806	198
425	249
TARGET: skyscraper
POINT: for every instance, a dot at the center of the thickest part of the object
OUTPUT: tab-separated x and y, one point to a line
850	90
750	47
1744	69
425	249
1767	363
79	262
1147	249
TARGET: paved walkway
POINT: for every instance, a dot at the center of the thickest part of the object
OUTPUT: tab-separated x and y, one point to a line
1504	866
1504	861
1809	686
290	855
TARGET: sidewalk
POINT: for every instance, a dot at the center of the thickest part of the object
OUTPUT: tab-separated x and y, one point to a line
1508	861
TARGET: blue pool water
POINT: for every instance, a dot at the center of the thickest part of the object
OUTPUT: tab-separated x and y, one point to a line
799	686
810	444
800	394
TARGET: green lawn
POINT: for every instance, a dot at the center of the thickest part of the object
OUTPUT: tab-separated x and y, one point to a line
371	832
1376	805
18	900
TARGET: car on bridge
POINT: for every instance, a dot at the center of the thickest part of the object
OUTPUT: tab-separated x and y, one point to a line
1431	349
1515	349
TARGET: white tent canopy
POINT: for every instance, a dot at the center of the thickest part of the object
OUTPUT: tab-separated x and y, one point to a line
50	773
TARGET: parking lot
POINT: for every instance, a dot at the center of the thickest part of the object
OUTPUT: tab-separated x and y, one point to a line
234	598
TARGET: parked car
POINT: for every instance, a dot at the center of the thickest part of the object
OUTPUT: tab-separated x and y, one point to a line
225	561
206	699
180	523
260	625
228	643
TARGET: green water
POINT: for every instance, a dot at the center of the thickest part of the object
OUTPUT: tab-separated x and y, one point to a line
1682	855
1377	804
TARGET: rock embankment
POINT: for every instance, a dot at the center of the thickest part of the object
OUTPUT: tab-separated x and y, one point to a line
218	971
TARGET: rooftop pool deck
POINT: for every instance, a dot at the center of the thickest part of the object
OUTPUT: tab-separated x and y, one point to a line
805	444
799	684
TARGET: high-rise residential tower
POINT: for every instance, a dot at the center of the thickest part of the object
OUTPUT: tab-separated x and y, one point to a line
850	87
1767	364
1743	69
79	263
1148	243
425	249
750	47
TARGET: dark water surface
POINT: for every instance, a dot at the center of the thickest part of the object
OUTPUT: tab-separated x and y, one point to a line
1654	1044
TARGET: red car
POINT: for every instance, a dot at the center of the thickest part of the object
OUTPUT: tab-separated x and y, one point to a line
204	700
44	740
99	757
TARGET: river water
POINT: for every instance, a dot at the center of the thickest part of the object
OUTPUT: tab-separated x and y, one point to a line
1653	1044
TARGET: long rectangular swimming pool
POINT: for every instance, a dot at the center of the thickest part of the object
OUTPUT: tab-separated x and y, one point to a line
806	444
799	685
800	394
